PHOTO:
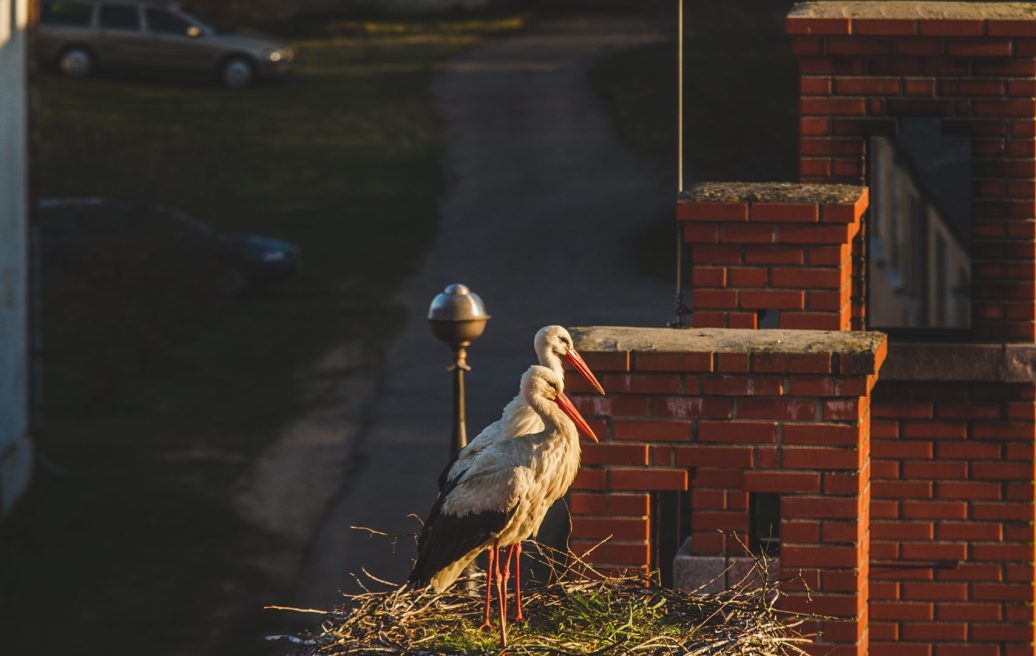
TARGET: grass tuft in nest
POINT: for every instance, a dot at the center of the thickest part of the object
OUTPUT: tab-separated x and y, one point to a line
578	611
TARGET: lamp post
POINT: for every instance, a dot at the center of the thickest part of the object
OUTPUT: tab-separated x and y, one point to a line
458	317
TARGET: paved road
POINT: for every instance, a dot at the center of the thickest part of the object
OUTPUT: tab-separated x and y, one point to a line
543	207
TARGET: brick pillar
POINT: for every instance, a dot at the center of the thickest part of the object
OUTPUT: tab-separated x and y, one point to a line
864	66
730	413
955	424
778	248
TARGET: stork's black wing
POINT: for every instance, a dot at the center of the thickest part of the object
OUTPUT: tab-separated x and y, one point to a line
446	538
443	480
451	538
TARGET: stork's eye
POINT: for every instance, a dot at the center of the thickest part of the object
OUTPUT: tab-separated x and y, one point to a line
553	385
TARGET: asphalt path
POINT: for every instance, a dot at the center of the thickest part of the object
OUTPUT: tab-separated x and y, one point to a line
543	208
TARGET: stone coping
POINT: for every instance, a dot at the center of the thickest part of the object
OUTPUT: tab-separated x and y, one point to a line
906	361
772	192
961	362
914	10
861	352
907	19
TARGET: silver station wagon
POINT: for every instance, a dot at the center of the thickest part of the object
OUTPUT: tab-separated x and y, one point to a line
79	36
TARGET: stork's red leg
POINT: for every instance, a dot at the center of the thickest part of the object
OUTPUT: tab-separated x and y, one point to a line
517	548
490	576
501	593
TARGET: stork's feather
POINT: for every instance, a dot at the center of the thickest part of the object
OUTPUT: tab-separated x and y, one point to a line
451	539
471	511
517	418
502	492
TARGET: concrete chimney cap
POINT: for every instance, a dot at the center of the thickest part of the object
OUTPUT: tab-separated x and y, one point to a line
914	10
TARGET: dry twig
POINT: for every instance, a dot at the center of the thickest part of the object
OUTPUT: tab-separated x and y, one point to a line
579	611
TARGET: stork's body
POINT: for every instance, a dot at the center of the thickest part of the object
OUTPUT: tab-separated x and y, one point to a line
551	343
503	493
506	491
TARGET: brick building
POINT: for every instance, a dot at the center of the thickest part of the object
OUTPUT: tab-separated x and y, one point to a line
894	476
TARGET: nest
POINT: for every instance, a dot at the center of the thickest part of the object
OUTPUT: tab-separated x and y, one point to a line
576	611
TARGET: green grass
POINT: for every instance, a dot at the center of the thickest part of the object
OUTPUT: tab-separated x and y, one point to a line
589	622
342	160
122	551
740	104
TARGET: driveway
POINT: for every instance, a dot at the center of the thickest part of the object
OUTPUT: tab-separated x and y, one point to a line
540	220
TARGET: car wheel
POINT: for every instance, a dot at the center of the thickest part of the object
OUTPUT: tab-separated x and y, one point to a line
237	73
76	62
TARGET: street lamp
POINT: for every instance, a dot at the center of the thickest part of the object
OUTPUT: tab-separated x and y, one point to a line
458	317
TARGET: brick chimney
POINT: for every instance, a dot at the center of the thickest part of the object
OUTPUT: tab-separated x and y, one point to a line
953	423
907	502
741	418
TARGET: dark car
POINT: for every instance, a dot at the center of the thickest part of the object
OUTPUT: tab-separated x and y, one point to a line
77	36
158	245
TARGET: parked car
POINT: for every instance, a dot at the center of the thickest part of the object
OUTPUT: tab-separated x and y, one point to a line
160	245
78	36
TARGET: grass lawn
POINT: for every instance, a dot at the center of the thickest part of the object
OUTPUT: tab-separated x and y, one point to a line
740	103
117	549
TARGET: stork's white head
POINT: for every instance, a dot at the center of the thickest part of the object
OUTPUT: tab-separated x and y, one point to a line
553	343
541	387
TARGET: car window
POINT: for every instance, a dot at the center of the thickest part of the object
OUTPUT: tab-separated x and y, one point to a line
161	21
66	13
120	17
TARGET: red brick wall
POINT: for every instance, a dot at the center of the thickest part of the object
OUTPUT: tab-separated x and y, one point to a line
790	254
951	533
951	479
723	424
953	463
859	76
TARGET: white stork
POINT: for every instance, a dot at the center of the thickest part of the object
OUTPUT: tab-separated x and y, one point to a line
551	343
502	495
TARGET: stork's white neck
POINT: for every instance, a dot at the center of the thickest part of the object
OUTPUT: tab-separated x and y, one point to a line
554	419
549	359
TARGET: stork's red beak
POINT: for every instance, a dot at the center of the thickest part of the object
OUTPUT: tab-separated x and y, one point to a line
566	406
581	366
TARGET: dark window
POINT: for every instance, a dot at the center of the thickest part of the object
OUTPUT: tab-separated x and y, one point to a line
161	21
670	526
919	256
66	13
764	524
120	17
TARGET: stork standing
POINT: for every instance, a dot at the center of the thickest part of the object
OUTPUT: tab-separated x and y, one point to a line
503	493
551	344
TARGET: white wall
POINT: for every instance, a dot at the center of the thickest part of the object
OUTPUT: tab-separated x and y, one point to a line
15	447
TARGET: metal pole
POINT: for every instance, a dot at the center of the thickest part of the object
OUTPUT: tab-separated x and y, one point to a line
458	317
680	306
679	98
460	434
460	431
